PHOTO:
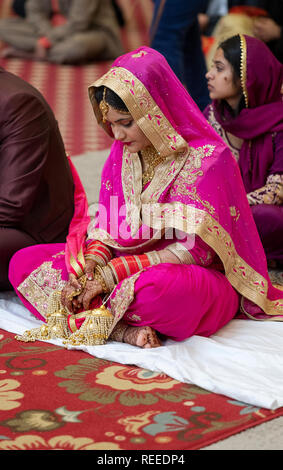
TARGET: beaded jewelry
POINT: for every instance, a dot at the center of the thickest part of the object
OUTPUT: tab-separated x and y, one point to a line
152	159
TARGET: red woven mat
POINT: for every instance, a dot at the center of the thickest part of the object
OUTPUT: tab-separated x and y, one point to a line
53	398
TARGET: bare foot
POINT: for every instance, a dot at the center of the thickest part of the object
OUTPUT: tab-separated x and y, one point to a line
142	336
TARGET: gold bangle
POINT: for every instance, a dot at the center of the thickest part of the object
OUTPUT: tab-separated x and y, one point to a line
99	260
99	278
153	257
106	275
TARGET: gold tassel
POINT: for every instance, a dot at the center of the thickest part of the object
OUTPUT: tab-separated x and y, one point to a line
56	326
94	330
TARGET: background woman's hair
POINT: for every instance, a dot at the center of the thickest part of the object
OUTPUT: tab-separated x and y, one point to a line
232	52
111	98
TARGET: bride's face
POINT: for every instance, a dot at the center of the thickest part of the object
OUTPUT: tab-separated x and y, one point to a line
126	130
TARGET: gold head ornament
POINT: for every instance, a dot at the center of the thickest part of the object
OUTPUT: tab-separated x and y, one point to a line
104	107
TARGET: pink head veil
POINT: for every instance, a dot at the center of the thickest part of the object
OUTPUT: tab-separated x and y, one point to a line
202	180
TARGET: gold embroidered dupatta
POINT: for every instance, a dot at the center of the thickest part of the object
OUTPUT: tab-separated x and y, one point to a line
197	190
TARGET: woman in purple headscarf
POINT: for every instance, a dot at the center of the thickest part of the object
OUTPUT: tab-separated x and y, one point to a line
174	243
245	84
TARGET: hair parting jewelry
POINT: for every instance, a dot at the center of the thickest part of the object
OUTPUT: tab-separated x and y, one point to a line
104	107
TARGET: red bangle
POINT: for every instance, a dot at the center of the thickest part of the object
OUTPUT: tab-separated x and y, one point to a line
97	249
125	266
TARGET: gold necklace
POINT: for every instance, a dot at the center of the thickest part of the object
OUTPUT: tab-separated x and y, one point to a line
151	159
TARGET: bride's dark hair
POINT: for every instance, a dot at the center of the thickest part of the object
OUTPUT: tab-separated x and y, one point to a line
232	52
111	98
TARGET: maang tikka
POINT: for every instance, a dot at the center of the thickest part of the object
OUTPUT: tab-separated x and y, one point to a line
104	107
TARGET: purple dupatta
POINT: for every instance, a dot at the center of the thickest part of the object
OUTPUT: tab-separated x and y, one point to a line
261	78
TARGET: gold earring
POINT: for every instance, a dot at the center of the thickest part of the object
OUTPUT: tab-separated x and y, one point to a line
104	107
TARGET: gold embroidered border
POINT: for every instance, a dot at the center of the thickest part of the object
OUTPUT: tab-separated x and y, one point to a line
243	68
142	107
132	183
191	220
40	285
122	298
220	131
104	237
75	263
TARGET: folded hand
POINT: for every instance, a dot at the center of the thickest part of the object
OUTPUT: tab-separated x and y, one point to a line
68	291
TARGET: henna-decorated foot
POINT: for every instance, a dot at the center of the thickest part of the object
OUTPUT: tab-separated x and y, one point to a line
141	336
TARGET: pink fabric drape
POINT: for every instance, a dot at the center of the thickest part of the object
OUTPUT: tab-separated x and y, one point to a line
214	184
200	189
78	226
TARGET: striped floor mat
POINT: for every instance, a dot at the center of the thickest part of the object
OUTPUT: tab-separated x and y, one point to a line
66	87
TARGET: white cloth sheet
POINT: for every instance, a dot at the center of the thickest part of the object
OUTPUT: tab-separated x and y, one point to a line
243	361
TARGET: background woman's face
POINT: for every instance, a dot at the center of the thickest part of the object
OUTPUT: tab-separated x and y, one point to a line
220	78
126	130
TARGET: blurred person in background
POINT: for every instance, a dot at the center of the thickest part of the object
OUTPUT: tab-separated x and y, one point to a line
175	33
62	31
269	29
245	85
36	186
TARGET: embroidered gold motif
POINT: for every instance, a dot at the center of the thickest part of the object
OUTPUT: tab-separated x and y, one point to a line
191	171
235	213
107	185
220	131
139	54
122	298
40	285
271	193
135	317
58	255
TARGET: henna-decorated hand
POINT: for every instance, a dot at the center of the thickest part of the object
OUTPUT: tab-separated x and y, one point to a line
92	289
67	292
89	269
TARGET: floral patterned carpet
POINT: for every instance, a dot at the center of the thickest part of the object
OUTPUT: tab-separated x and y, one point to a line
55	399
52	398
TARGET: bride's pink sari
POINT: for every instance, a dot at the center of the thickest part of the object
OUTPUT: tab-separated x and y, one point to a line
195	200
